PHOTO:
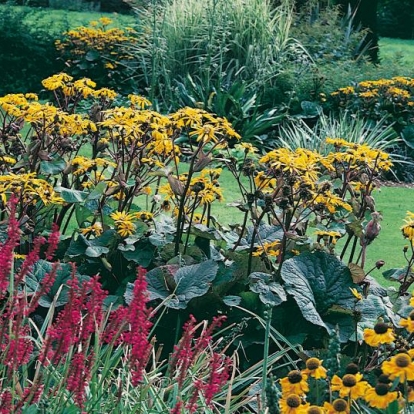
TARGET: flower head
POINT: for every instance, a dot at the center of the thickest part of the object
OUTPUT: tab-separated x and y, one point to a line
292	404
349	385
294	383
380	396
339	406
381	334
314	368
408	323
400	366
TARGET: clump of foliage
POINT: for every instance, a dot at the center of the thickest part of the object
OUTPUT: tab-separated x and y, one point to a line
375	99
98	52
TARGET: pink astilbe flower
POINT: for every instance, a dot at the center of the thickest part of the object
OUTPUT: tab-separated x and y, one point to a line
131	326
5	402
177	408
78	376
52	241
219	375
188	349
17	347
77	321
7	249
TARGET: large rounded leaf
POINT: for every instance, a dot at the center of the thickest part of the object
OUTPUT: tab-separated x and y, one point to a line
318	281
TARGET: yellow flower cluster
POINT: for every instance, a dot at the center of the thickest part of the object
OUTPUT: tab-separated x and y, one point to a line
30	188
408	228
384	94
350	389
98	37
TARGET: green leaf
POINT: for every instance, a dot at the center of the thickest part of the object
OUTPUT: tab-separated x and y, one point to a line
40	269
97	192
52	167
92	55
82	214
318	281
184	283
142	254
72	196
232	300
78	246
96	251
407	135
270	292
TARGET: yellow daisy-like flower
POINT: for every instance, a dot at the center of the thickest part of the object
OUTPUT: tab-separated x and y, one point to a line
400	366
408	323
125	228
408	228
350	385
292	404
381	334
357	295
294	383
339	406
314	368
95	229
380	396
314	409
268	248
121	216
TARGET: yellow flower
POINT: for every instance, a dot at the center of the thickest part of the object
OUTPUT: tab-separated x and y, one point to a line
356	294
139	101
408	323
314	368
125	228
268	248
95	229
292	404
381	334
380	396
400	366
350	385
408	228
339	406
314	409
121	216
294	383
144	215
8	160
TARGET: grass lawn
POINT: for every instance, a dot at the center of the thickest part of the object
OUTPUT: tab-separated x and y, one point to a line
392	50
58	21
392	202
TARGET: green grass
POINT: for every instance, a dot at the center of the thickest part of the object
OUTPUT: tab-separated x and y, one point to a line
392	50
392	202
58	21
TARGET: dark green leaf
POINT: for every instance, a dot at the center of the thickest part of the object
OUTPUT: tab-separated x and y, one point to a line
318	281
270	292
407	135
92	55
97	192
78	246
72	196
40	269
52	167
96	251
232	300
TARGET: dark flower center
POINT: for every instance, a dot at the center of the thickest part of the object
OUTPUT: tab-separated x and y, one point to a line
314	409
293	401
349	380
402	360
352	368
381	328
381	389
384	379
294	377
340	405
313	363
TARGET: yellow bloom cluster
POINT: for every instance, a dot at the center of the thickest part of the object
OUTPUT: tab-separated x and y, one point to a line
408	228
346	391
31	189
98	37
394	95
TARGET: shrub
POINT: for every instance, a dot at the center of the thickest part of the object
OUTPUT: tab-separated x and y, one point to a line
97	52
27	53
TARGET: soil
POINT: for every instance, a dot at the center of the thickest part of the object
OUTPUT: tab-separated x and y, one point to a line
396	184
